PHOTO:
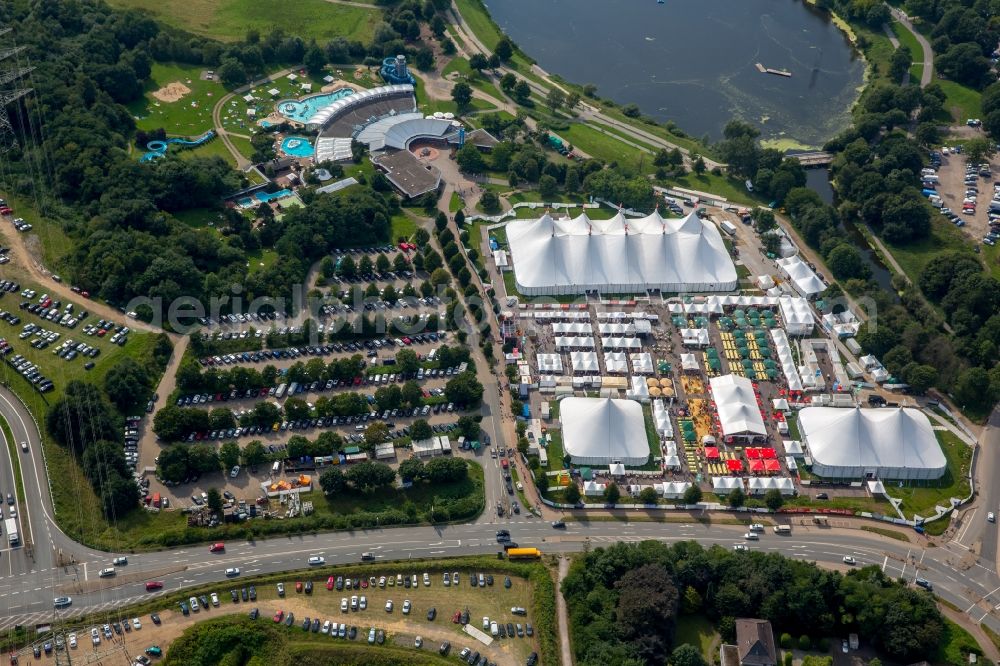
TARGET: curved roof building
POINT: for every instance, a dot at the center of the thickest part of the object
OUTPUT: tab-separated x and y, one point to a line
885	443
602	431
619	255
358	100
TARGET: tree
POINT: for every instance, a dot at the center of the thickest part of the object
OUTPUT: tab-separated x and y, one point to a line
555	99
547	187
572	493
368	475
127	384
773	499
646	610
469	159
411	394
365	265
699	166
504	49
920	377
411	469
737	498
846	263
332	481
478	62
978	150
507	82
221	418
348	268
612	493
464	389
521	91
231	72
376	433
686	655
648	495
214	501
964	63
461	94
692	495
119	496
490	202
314	59
468	427
229	454
572	100
254	453
420	430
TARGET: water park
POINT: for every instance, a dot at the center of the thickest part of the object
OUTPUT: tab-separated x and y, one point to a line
156	149
264	197
297	146
301	110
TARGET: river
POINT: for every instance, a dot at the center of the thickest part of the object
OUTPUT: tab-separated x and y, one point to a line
694	61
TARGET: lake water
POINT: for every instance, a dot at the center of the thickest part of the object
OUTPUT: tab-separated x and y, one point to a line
693	61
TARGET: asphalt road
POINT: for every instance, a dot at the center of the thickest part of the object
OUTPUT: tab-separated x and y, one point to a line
33	579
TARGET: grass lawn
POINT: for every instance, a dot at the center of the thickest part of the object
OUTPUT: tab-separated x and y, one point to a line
261	259
455	203
229	20
55	243
242	145
921	500
402	226
696	630
178	118
945	237
478	18
962	102
729	188
555	450
607	147
955	645
213	148
199	218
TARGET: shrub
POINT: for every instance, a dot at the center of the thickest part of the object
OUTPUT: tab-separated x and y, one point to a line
804	642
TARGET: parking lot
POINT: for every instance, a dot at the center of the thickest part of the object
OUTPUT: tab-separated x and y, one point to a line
965	191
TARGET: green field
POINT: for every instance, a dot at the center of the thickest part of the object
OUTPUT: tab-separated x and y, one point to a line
962	102
229	20
698	631
189	116
55	243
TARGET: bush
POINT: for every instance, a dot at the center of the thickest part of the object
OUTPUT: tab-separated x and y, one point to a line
786	641
804	642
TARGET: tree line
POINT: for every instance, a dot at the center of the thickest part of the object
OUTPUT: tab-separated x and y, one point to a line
624	602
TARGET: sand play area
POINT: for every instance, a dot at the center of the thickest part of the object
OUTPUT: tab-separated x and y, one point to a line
171	92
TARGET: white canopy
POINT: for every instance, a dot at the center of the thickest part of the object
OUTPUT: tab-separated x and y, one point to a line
616	328
806	282
761	484
642	364
689	363
695	337
784	352
736	403
574	342
797	315
887	443
723	485
793	447
616	363
572	328
601	431
593	488
661	419
638	389
617	469
550	364
584	362
622	255
621	343
672	489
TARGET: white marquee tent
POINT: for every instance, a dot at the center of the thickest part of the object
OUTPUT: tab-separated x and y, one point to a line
661	420
784	352
797	315
616	363
642	364
736	403
695	337
574	342
571	328
601	431
638	389
761	484
550	364
621	343
723	485
571	256
672	489
584	362
689	363
885	443
806	282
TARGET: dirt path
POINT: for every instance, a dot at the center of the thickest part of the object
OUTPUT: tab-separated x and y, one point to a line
26	259
565	649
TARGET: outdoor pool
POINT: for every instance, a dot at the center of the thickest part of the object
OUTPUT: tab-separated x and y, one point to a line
301	110
264	197
296	146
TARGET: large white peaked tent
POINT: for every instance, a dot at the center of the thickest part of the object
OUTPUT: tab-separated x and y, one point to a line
736	403
619	255
602	431
885	443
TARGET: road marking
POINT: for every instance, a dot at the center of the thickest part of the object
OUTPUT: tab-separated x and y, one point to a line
884	563
968	524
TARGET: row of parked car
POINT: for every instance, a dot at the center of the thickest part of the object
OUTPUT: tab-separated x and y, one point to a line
26	369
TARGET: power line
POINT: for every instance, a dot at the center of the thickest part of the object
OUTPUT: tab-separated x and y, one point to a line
10	93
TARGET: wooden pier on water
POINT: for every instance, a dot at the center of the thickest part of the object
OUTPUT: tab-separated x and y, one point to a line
776	72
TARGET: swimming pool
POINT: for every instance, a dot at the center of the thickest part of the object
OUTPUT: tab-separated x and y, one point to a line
301	110
264	197
296	146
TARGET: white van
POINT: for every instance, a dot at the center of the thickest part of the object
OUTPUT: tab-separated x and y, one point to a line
728	227
276	467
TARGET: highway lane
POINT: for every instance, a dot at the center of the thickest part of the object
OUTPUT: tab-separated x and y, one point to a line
976	590
26	594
